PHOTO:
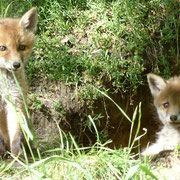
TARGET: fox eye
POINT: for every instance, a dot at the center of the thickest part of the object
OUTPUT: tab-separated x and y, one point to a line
3	48
166	105
22	47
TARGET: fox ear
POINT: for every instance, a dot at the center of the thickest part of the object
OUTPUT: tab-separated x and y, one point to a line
29	20
156	84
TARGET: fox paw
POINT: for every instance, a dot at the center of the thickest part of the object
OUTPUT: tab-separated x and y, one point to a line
16	148
151	151
2	151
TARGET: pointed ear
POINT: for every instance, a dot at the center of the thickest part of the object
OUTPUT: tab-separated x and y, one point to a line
156	84
29	20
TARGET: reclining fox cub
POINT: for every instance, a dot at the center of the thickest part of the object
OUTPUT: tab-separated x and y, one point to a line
16	41
166	94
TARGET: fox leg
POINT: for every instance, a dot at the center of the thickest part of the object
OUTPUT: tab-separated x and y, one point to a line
153	149
14	129
2	146
3	133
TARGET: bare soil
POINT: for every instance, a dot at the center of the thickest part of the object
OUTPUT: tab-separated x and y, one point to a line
76	111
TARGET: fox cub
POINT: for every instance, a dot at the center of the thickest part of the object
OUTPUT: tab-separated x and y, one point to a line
17	37
166	94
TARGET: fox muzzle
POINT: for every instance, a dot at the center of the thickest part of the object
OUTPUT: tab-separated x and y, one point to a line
173	118
16	65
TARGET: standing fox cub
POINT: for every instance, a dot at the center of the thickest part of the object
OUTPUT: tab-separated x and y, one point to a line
16	41
166	94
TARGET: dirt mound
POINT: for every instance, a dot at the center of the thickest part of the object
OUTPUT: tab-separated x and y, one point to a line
56	103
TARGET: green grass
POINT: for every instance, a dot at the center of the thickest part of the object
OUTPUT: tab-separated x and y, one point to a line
109	45
105	42
102	164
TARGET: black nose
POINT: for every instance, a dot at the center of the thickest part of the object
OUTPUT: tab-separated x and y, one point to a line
16	65
173	118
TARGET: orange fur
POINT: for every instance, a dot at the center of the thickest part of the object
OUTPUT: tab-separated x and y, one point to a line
16	42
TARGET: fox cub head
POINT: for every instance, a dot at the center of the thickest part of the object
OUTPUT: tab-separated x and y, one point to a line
17	39
166	94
